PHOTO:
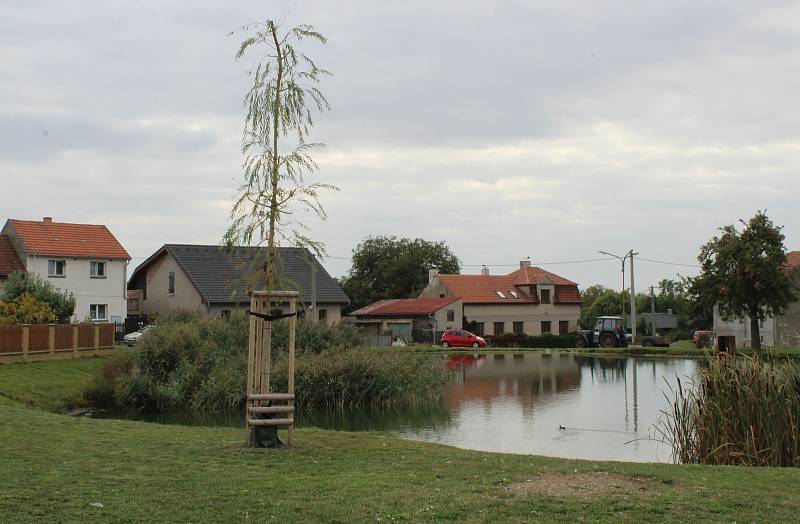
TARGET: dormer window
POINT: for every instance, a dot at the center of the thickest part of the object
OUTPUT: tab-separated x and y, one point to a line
545	296
500	294
514	294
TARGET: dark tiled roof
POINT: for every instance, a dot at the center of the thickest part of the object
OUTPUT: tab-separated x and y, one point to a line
663	320
404	306
227	276
67	240
9	259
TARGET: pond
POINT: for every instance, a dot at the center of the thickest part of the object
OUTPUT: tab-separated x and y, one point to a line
557	404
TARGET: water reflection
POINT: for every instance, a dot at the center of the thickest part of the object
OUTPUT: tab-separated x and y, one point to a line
516	403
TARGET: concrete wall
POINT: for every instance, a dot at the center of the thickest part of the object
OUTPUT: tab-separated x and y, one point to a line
87	289
440	317
157	297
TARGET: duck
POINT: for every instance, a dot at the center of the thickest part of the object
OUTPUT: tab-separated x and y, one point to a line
562	428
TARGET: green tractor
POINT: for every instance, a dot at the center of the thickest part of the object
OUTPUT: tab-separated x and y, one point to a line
608	332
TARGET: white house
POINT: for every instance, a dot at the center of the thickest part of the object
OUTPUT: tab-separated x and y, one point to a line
84	259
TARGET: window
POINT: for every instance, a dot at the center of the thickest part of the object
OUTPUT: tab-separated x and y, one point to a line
514	294
479	329
545	296
518	328
97	311
451	315
225	313
133	305
97	269
500	294
171	284
498	328
563	327
545	327
323	315
56	268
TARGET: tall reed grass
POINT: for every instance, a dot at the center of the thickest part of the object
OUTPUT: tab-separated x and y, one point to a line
191	361
737	412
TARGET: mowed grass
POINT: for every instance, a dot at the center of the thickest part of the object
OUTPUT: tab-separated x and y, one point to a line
76	469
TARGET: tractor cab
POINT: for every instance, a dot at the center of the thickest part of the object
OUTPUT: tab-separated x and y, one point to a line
607	332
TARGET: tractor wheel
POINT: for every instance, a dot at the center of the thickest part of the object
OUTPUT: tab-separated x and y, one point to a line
647	343
445	345
608	340
580	342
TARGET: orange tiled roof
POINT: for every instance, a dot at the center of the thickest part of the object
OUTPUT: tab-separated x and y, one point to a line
483	288
405	306
793	259
68	240
9	259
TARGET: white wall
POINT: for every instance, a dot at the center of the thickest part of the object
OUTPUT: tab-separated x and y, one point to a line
87	290
740	328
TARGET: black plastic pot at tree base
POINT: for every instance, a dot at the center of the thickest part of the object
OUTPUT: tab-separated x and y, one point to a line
264	436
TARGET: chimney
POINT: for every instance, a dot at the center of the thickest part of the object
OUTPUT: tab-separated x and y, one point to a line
47	220
525	263
484	270
432	274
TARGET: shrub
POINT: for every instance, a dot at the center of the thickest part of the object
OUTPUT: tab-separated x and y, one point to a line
538	341
62	303
192	361
738	412
25	309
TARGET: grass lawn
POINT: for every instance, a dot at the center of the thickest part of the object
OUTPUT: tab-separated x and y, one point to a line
66	469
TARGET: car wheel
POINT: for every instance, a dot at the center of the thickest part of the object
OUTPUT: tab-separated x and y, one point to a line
608	340
476	345
445	345
580	342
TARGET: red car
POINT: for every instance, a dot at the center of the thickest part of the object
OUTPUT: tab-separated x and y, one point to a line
459	338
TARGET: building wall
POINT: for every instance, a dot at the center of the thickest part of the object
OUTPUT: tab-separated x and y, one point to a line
87	289
157	298
334	311
740	328
531	315
441	323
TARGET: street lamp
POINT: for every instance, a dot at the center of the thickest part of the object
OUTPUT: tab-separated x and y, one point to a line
622	263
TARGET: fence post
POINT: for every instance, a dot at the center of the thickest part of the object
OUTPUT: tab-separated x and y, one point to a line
75	341
26	333
96	339
51	339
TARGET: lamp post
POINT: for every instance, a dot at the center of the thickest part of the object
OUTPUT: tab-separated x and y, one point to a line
622	259
622	264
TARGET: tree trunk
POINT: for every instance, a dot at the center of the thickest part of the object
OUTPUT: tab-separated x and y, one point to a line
755	333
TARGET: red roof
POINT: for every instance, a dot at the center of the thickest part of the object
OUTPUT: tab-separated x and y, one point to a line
483	289
793	259
67	240
404	306
9	260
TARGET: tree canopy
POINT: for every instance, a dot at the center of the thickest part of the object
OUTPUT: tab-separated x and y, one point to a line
18	286
390	267
744	273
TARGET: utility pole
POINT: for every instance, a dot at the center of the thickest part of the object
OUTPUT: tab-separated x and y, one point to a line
653	311
633	300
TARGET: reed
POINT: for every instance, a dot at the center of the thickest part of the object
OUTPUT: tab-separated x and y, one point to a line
737	412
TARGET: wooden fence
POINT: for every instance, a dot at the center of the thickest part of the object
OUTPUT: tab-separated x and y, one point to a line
54	341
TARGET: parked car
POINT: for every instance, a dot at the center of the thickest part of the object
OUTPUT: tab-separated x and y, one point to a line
459	338
131	339
703	338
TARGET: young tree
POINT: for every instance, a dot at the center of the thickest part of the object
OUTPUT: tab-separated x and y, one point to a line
391	267
60	303
744	273
277	154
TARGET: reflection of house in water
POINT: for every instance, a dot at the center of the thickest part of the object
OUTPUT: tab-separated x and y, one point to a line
527	377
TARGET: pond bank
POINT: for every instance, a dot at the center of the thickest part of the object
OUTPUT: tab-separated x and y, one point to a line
81	469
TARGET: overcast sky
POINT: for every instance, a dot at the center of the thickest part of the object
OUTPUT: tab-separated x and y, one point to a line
548	130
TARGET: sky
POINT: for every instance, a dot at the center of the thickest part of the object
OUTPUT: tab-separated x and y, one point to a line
507	129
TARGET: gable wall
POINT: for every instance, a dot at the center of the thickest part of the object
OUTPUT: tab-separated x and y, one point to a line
158	299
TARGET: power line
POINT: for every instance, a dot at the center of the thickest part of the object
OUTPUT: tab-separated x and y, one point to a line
668	263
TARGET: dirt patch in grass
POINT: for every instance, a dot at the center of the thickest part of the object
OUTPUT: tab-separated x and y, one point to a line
582	485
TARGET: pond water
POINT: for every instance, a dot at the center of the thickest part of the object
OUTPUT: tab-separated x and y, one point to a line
557	404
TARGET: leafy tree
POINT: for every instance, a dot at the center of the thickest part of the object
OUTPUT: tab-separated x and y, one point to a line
61	303
744	273
390	267
277	154
598	301
26	309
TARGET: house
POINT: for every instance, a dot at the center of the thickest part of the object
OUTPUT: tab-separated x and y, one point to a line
402	316
781	331
84	259
217	281
664	322
528	301
9	261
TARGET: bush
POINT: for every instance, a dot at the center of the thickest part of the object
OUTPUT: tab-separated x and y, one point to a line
192	361
62	303
739	412
527	341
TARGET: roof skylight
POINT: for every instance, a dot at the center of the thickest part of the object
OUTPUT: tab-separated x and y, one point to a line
514	294
500	294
